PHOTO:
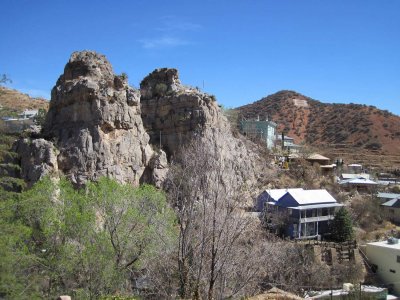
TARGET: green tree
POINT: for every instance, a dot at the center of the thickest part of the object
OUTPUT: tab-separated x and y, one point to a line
342	226
86	243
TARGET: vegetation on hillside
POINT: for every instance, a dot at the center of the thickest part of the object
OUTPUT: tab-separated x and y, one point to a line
342	226
86	243
12	102
109	239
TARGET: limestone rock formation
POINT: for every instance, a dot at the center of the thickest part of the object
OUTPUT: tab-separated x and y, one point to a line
174	115
38	158
94	123
97	125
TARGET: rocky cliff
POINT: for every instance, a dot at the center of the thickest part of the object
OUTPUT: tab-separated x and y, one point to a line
173	113
97	125
93	127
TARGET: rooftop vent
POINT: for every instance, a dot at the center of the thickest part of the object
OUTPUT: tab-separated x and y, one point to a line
392	241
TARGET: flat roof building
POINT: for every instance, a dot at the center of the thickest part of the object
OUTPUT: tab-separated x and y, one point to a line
385	259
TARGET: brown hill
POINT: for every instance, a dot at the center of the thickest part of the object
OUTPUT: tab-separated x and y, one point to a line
13	102
360	129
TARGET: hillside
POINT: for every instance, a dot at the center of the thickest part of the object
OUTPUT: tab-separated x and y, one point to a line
13	102
350	129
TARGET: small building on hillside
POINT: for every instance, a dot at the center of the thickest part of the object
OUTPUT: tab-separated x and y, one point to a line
354	168
384	258
29	114
309	212
391	209
288	144
318	159
328	168
264	130
360	184
347	176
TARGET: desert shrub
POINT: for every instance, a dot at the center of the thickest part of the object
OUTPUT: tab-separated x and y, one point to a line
160	89
365	212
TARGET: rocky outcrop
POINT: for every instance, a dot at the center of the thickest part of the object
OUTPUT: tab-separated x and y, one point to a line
173	113
38	158
97	125
94	123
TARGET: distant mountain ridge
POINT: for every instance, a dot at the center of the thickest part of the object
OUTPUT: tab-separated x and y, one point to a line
320	124
14	102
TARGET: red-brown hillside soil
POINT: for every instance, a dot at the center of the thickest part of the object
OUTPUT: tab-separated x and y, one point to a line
360	129
16	102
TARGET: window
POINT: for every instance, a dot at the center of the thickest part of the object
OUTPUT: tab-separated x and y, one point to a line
374	268
398	258
392	271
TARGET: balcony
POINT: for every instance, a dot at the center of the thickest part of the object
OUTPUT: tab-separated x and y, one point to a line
317	219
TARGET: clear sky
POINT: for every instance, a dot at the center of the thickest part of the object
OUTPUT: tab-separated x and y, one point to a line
330	50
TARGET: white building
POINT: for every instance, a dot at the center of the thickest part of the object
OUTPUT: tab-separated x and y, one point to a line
385	259
29	113
264	130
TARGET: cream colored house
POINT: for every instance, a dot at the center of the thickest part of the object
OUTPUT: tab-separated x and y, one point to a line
385	259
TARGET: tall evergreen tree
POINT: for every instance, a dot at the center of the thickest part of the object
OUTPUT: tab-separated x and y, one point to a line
342	226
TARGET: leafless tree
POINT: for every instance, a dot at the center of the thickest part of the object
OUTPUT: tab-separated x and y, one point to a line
218	252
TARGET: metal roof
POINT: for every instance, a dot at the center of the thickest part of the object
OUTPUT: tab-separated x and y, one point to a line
331	166
384	244
388	195
275	194
326	205
352	176
392	203
363	181
309	197
317	156
355	165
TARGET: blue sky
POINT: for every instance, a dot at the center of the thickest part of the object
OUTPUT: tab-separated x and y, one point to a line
337	51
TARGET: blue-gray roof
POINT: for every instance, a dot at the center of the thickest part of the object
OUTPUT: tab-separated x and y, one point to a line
388	195
392	203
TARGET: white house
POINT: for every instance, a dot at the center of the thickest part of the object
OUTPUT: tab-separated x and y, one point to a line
309	212
265	130
385	259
